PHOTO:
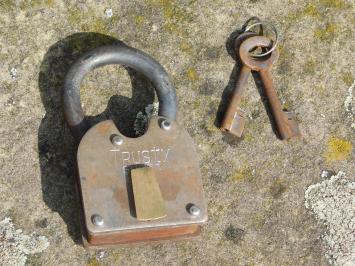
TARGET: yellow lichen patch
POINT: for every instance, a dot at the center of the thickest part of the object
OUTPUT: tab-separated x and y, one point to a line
311	10
185	47
338	149
139	20
348	78
93	262
192	74
286	105
334	3
327	33
248	137
87	21
321	89
243	173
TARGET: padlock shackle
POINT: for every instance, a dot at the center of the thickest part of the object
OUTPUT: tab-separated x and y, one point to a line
107	55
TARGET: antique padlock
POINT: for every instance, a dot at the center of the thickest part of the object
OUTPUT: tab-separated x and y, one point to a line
134	189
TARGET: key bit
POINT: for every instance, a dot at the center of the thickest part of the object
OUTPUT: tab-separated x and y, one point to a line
285	123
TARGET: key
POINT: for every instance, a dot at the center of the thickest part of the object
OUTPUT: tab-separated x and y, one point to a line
234	118
285	123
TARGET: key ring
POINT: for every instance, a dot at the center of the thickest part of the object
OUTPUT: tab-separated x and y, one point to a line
274	43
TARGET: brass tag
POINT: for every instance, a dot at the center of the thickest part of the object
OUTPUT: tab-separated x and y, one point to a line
148	200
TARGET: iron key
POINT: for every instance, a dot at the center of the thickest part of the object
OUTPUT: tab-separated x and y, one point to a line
234	117
285	123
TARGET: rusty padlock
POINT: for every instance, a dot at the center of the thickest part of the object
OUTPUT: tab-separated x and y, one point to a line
134	189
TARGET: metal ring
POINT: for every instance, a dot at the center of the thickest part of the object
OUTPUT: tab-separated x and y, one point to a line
254	19
274	43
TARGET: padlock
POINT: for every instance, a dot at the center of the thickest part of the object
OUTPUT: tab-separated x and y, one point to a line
140	189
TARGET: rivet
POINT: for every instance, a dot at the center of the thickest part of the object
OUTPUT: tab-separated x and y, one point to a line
117	140
165	124
194	210
97	220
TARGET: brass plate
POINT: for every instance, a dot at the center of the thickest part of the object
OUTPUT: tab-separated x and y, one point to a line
149	203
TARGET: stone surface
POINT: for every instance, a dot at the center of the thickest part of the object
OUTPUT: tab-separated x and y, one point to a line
254	186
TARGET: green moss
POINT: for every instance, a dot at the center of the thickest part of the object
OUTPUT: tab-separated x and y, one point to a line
327	33
338	149
7	5
310	67
348	78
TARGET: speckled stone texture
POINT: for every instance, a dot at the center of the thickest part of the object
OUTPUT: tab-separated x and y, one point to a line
254	186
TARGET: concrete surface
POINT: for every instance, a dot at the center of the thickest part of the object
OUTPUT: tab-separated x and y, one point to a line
254	187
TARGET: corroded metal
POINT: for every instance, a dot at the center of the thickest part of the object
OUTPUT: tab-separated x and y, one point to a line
105	178
285	123
234	118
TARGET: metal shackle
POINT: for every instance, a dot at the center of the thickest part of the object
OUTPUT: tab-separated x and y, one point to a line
107	55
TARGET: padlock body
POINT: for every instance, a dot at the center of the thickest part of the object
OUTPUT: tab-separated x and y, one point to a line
105	180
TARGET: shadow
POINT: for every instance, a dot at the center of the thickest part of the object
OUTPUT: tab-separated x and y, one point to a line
228	90
56	146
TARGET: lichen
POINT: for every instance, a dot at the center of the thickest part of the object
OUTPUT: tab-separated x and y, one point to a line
93	262
7	5
327	33
191	74
349	105
339	4
176	17
311	10
310	67
16	246
332	202
338	149
88	21
348	78
30	4
139	20
242	174
185	46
